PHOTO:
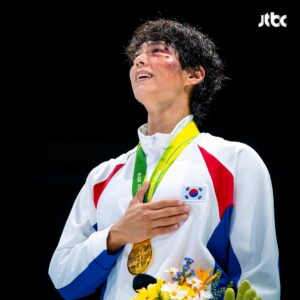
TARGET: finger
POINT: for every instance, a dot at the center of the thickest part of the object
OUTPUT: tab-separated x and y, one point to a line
141	192
169	212
169	221
163	230
165	203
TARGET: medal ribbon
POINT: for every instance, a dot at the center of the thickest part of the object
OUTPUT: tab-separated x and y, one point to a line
183	138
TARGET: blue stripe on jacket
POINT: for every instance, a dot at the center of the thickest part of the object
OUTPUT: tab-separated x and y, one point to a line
92	277
220	247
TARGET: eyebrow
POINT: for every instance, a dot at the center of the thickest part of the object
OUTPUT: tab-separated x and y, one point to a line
151	43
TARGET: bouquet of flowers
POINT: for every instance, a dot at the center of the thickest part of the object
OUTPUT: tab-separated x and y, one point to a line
187	285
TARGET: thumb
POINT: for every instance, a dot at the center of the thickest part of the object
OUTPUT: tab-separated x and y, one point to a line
141	192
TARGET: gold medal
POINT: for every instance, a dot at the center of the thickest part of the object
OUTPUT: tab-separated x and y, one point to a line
140	257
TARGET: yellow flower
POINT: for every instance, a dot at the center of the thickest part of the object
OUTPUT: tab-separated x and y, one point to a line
176	292
154	290
141	294
160	282
151	293
188	290
164	296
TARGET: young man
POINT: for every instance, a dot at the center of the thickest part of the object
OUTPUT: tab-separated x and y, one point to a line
203	197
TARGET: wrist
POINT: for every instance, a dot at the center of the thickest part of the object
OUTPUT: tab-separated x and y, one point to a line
114	239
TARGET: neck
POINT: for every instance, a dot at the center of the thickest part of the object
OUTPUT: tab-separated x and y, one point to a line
164	121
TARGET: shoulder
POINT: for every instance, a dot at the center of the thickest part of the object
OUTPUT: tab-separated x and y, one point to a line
231	154
112	166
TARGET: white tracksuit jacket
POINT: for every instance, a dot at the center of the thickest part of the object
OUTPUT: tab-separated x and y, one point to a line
230	228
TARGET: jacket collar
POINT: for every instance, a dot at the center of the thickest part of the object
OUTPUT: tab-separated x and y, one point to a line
156	144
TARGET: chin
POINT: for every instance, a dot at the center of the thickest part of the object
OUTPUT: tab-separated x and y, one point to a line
144	97
143	101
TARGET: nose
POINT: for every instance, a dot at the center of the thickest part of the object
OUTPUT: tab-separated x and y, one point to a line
141	60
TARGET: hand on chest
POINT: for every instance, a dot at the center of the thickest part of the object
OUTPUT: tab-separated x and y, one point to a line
186	179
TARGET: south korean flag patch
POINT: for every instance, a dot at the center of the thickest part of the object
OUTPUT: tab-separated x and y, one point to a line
195	193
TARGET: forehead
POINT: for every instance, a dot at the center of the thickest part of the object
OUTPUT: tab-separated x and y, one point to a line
150	44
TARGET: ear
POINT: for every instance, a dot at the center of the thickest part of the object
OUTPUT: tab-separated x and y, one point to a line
195	76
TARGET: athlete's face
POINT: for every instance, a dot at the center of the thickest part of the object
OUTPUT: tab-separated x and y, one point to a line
156	74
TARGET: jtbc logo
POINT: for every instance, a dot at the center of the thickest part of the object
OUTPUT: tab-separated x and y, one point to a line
272	20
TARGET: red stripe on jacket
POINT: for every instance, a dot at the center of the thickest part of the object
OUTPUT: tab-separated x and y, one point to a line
99	187
222	179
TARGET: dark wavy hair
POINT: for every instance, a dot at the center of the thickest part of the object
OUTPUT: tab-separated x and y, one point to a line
194	49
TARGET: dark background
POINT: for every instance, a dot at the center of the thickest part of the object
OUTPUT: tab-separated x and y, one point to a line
72	107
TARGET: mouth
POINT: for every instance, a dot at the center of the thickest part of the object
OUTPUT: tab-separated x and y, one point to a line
142	76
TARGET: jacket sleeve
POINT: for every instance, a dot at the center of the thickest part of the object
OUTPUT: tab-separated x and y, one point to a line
252	231
81	262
